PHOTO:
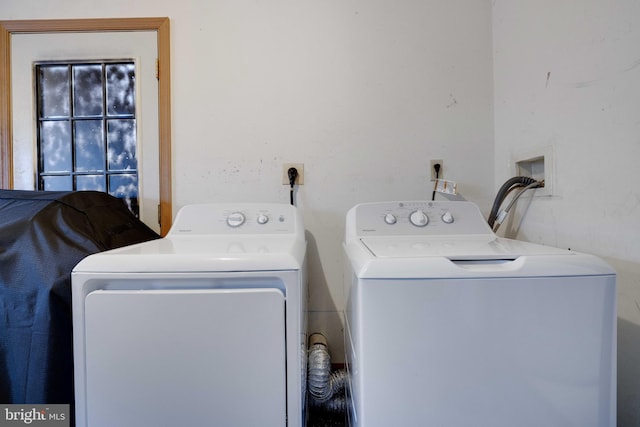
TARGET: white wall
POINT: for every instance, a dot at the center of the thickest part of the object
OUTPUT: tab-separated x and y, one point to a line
567	81
364	93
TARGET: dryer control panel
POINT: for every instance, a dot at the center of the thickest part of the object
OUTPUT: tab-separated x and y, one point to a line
234	219
410	218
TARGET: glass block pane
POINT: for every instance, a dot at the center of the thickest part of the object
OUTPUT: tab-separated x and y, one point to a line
87	90
57	183
89	145
55	146
121	144
125	186
121	93
91	182
54	91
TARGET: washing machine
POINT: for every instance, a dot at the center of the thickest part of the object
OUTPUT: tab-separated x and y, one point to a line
206	326
448	325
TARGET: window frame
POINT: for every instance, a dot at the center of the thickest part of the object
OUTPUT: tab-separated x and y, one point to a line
73	119
160	25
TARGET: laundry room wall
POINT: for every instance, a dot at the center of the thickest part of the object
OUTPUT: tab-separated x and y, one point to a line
363	93
567	86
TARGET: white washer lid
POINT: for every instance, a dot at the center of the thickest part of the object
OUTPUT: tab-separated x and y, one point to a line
455	247
382	242
397	258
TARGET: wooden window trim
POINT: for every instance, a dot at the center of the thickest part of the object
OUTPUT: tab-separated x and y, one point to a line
160	25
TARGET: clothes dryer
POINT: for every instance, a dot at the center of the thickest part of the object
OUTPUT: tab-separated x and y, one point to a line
449	325
206	326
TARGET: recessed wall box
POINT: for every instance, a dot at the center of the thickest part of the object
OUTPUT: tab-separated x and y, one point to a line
539	166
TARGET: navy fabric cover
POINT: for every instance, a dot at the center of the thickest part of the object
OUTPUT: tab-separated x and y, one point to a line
43	235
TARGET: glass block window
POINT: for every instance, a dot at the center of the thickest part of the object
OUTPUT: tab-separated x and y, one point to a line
86	128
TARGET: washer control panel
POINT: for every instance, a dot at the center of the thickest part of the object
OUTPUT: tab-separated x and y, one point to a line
242	218
419	218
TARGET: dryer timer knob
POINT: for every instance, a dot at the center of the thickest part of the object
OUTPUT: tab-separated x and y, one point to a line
235	219
418	218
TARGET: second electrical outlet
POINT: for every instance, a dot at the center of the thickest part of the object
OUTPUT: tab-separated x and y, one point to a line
285	173
436	174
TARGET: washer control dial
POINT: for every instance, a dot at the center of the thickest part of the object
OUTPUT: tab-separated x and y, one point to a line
235	219
390	219
418	218
447	218
263	219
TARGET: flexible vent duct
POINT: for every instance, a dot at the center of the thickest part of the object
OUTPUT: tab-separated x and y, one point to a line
326	388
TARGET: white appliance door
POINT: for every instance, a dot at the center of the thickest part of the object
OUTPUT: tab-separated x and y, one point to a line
185	358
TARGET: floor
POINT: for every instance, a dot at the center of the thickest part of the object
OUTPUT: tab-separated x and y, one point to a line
321	418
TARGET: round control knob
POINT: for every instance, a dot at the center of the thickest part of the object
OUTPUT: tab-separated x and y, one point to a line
235	219
447	218
390	219
418	218
263	219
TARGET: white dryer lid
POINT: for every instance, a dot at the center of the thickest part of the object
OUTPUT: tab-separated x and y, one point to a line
215	238
198	254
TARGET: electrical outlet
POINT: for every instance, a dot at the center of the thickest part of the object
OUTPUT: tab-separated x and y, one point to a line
285	173
433	169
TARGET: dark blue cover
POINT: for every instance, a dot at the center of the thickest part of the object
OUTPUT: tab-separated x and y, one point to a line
43	235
